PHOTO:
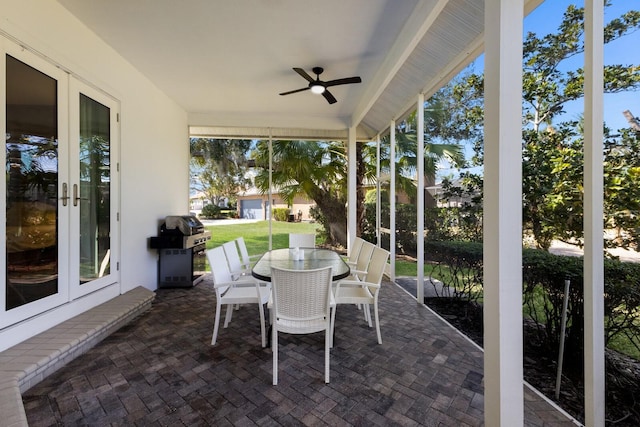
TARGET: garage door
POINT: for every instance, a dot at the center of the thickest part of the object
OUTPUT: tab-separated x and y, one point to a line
251	208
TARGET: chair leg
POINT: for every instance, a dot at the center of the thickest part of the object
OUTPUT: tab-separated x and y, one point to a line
327	341
216	324
333	323
274	351
367	314
262	328
227	317
375	313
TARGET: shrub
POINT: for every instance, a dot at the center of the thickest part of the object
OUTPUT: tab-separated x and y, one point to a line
543	282
405	226
464	263
281	214
210	211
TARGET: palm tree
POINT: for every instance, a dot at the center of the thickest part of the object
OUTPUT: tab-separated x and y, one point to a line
315	169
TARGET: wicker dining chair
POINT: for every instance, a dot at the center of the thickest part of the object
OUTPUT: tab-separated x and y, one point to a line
354	251
363	292
301	304
229	292
361	267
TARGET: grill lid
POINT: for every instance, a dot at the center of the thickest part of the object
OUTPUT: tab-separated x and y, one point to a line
188	225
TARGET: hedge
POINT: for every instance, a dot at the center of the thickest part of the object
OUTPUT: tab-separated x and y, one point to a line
543	277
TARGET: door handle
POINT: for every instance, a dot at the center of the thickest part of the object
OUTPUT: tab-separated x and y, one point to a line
65	191
75	195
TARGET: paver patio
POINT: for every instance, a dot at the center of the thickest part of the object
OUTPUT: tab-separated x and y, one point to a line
161	370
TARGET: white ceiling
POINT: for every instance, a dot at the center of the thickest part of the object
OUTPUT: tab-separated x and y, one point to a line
226	61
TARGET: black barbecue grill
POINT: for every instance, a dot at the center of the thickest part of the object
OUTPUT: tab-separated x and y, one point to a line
181	244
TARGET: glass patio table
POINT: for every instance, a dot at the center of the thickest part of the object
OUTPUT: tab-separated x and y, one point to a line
313	258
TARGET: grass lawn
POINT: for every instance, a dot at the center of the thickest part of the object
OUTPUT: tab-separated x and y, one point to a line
256	235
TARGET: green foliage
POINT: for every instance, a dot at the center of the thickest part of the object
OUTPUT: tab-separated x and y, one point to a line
406	217
459	267
461	219
315	169
210	211
316	214
281	214
371	196
622	303
544	276
406	220
553	151
218	168
622	189
552	176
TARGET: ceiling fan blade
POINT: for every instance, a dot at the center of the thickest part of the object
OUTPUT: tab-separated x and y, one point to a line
295	91
330	99
345	81
304	74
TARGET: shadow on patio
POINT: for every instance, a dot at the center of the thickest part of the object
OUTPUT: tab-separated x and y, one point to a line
161	370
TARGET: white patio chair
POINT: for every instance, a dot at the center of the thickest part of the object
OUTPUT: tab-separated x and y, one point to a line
354	251
236	265
229	292
302	240
359	271
247	259
363	292
301	304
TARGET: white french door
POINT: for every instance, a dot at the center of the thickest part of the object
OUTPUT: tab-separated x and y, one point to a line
93	119
61	187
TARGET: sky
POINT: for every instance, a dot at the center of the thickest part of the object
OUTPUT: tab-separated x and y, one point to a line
545	20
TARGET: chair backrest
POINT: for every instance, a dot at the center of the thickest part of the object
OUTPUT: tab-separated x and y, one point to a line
354	250
232	256
302	240
219	267
244	253
301	295
377	265
364	256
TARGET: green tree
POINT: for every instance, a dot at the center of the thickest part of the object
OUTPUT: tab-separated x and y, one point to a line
553	162
552	148
315	169
446	125
219	167
318	170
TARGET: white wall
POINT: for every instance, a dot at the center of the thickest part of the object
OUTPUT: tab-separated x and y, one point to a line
154	132
154	149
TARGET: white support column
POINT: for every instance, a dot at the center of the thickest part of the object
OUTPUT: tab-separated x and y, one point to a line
270	193
378	188
420	199
593	213
392	199
352	199
503	368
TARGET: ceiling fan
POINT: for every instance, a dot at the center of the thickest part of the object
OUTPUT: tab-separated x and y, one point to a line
317	86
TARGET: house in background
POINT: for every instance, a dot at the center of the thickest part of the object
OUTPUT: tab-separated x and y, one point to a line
199	200
252	204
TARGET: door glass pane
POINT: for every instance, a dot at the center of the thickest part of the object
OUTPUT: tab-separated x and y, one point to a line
31	144
94	190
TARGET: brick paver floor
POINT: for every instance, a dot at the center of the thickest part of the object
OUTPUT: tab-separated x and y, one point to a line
161	371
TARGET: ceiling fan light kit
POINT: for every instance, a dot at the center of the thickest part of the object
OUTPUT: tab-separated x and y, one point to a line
317	86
